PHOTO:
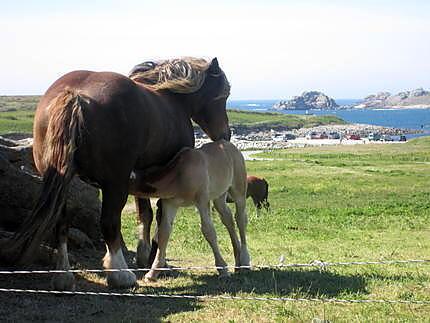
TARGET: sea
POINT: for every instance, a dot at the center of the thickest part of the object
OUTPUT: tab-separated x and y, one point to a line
417	119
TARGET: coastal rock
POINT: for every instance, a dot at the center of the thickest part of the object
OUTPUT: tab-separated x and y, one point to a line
418	98
20	186
308	100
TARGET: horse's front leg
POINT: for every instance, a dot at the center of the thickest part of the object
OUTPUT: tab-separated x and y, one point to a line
167	212
209	232
114	199
62	281
144	219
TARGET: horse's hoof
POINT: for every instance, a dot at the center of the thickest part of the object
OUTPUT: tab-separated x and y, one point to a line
121	279
63	281
151	276
224	274
242	270
142	255
245	260
150	280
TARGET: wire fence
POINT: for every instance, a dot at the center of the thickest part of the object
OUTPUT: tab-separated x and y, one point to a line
218	297
314	264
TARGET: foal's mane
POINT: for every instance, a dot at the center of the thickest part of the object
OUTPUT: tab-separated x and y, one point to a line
179	75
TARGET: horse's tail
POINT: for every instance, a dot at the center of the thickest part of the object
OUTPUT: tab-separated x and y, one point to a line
61	141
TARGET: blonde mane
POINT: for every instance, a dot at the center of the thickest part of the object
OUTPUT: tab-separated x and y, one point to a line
180	75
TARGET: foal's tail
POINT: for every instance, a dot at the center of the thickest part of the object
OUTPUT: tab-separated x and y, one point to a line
61	141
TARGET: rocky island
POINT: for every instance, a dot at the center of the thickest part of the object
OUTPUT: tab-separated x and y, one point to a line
308	100
415	99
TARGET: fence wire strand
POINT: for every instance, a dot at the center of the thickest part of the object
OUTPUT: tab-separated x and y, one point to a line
314	264
218	297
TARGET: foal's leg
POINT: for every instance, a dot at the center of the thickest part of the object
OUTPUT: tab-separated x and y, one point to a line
164	229
114	199
208	230
242	221
227	219
154	243
62	281
144	218
257	204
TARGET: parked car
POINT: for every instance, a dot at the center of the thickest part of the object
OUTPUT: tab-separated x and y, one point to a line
374	136
323	136
312	135
277	137
354	137
386	138
334	135
289	136
402	138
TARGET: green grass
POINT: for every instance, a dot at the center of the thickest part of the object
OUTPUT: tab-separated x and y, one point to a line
348	203
20	102
16	121
17	113
368	202
273	120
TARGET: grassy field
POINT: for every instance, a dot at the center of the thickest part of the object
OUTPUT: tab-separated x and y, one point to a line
20	102
292	121
339	203
17	112
369	202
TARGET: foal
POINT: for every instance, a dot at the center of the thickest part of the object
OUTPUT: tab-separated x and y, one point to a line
195	177
258	190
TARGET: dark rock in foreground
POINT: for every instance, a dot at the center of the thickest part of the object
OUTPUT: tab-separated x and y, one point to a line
306	101
20	186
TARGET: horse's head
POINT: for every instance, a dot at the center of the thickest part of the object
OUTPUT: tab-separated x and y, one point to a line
204	85
210	111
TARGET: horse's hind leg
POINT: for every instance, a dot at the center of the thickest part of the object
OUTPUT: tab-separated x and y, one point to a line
165	223
208	231
62	281
144	218
114	199
154	242
242	221
227	219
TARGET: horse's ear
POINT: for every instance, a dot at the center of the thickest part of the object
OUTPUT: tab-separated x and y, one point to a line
214	67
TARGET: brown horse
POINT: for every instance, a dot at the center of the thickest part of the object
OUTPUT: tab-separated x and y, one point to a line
258	190
196	177
103	125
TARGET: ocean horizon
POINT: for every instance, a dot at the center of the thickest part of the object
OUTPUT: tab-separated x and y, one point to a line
417	119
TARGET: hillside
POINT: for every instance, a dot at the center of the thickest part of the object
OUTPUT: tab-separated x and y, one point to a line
17	112
262	121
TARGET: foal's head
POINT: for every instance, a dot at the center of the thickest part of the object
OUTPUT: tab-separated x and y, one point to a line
203	86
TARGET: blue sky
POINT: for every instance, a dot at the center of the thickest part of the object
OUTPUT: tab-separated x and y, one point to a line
268	49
